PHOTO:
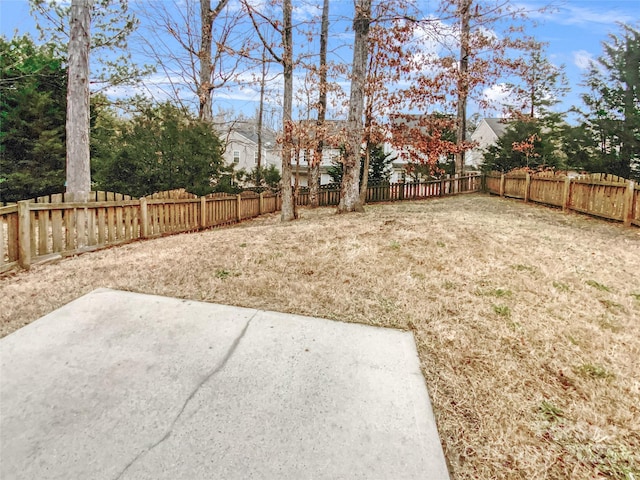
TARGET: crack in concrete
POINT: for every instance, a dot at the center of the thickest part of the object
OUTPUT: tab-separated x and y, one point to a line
197	388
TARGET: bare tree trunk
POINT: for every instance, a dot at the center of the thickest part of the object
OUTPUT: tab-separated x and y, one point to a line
287	212
314	186
204	54
260	115
207	17
372	71
314	177
77	126
364	184
463	82
350	188
296	183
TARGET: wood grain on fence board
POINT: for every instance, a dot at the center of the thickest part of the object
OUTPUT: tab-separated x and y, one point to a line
602	195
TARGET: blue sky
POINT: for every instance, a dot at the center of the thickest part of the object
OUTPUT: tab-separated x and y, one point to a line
574	30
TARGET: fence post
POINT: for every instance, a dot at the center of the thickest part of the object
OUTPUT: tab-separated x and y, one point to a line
502	180
144	218
24	235
566	195
527	186
238	206
627	208
261	207
203	212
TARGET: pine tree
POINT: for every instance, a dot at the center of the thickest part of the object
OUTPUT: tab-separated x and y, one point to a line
613	115
524	144
32	113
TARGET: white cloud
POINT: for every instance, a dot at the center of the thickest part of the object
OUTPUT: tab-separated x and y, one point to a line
573	15
303	12
567	14
582	59
437	36
496	94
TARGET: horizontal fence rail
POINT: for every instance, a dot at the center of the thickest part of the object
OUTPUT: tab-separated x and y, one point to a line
599	194
392	192
47	228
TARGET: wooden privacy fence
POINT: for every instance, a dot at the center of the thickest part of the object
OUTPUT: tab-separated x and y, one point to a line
34	231
48	227
599	194
391	192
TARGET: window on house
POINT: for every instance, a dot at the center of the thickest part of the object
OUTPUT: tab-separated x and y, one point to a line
236	156
255	157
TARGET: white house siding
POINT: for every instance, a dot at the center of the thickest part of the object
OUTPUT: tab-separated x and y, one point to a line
246	150
487	134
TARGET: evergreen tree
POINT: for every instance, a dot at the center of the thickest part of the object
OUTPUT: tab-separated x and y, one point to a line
541	86
32	119
111	25
263	176
523	145
160	148
613	116
379	166
533	137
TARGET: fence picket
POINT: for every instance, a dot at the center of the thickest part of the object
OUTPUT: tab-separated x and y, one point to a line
33	216
91	226
43	231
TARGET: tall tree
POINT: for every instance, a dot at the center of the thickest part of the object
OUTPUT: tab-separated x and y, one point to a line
288	204
33	84
194	44
314	177
490	41
111	26
391	55
77	125
464	13
350	187
263	81
613	104
207	17
540	86
285	58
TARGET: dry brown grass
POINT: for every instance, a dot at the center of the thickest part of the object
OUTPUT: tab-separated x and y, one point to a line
527	320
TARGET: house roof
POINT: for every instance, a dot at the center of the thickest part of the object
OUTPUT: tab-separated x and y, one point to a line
498	125
268	136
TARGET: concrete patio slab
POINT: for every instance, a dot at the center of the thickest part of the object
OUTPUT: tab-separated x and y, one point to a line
117	385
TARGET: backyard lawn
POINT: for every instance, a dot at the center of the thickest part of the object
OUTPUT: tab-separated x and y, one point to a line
527	320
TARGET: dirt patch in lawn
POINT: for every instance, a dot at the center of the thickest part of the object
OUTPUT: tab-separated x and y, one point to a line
527	320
